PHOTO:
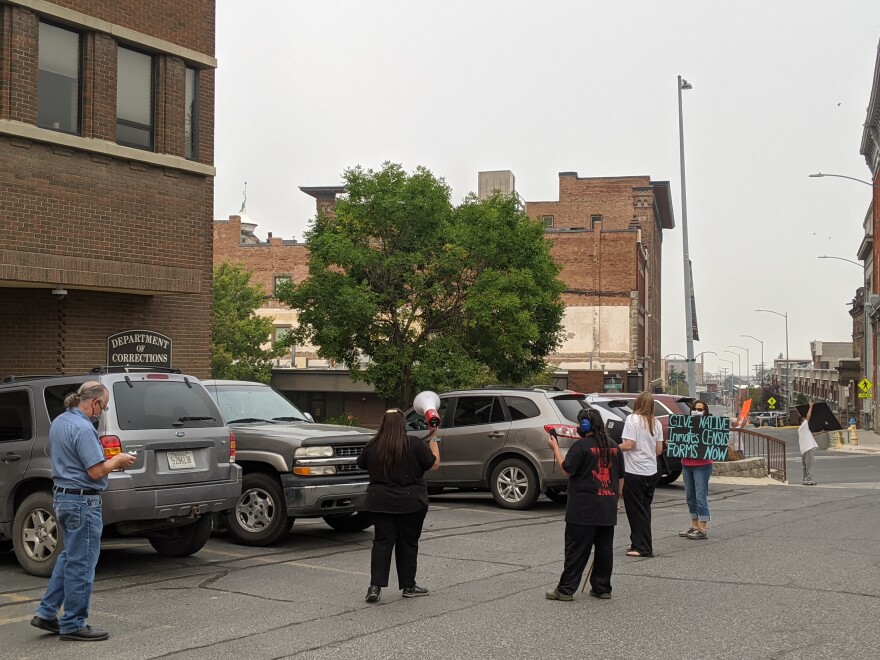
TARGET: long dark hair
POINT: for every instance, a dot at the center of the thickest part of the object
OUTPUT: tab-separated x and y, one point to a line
597	427
389	444
705	405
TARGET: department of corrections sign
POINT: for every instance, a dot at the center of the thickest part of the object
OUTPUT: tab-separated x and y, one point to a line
138	348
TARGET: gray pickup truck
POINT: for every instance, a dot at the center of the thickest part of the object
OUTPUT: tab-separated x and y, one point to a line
293	468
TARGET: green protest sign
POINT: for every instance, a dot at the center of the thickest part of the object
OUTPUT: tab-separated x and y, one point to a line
698	436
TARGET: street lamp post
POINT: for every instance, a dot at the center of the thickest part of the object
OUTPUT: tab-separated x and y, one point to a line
761	383
789	402
867	291
730	380
688	284
748	370
739	365
864	360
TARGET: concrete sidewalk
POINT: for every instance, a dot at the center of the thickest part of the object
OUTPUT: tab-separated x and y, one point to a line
868	442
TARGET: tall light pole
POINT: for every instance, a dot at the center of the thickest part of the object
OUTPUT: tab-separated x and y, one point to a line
789	402
688	285
864	361
739	367
761	383
867	295
729	382
748	371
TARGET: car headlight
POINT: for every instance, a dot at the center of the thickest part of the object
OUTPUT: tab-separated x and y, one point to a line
314	470
313	452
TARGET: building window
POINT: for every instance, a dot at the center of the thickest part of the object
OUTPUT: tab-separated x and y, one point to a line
58	84
280	280
191	126
134	99
594	219
548	221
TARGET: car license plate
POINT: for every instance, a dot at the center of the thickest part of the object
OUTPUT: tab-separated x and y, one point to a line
181	460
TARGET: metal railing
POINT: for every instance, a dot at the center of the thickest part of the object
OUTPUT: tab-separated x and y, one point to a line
754	445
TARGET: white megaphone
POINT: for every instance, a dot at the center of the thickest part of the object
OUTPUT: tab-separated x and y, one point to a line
426	403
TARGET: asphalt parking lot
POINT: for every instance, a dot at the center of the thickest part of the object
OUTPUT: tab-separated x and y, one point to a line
788	572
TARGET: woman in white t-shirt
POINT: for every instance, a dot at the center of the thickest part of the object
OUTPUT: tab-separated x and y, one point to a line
642	443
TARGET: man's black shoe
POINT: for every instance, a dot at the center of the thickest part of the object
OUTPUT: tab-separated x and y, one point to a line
374	593
87	634
414	591
49	625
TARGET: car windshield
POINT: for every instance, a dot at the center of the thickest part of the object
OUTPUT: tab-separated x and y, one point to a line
163	404
617	411
569	406
683	406
251	404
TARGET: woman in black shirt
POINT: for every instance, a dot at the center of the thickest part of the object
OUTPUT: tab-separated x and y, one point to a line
594	467
397	499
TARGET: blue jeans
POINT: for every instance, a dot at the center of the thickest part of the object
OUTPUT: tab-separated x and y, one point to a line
696	490
71	582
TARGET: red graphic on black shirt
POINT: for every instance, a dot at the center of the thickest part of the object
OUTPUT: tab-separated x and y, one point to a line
602	476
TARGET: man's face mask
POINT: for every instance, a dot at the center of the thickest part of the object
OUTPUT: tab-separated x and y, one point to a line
697	413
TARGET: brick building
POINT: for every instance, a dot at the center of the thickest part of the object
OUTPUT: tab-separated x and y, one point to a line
607	234
869	251
106	179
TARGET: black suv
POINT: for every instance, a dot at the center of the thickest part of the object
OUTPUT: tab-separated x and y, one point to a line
184	470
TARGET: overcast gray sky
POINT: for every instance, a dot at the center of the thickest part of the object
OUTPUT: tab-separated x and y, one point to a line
780	90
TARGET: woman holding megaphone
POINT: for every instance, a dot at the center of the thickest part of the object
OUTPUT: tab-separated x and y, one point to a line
397	499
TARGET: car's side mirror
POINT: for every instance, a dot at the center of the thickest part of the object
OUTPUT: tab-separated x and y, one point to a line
308	417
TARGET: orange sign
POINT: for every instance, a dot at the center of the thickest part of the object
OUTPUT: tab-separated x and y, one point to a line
744	413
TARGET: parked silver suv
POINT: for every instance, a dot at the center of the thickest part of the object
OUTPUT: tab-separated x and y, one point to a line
496	437
184	469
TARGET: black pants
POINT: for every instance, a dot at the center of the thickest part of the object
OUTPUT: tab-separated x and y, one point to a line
399	532
638	493
579	541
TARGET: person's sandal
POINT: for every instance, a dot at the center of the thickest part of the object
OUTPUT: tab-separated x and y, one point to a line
684	535
697	535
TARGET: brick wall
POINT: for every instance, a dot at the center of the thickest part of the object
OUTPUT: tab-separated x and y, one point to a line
265	261
188	23
130	241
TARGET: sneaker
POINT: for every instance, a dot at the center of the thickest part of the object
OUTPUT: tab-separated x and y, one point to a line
87	634
414	591
697	535
605	595
810	483
685	533
374	593
555	595
49	625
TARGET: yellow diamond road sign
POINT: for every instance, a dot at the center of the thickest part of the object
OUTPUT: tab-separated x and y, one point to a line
771	402
865	386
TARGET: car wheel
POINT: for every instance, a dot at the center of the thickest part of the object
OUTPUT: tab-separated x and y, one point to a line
350	522
260	516
514	484
556	494
669	478
37	536
183	541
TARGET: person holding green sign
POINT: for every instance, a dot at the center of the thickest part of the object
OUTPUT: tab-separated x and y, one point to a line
696	487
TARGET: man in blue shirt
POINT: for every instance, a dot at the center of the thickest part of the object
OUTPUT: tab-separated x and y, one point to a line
79	472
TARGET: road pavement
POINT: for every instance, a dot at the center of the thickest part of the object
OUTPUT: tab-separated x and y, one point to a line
787	572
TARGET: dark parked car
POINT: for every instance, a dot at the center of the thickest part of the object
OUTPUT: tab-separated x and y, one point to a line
293	468
184	471
496	438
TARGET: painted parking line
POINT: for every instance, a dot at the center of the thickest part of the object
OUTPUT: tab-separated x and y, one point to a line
14	598
16	619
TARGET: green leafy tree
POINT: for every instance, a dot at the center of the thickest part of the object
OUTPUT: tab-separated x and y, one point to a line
237	332
437	296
